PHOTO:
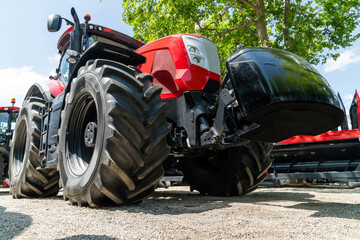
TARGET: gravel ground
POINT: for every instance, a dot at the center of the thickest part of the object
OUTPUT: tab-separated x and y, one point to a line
175	213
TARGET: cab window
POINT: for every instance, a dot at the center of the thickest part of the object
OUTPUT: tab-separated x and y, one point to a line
64	69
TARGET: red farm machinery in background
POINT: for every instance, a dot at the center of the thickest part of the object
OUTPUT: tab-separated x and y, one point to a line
8	115
333	156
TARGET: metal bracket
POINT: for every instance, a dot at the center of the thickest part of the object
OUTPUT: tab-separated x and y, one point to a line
44	127
215	133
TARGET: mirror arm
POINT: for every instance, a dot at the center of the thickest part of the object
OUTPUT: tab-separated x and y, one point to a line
68	22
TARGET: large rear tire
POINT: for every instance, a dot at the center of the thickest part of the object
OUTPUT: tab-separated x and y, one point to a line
231	172
25	179
112	136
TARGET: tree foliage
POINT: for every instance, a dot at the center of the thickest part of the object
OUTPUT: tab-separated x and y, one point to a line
312	29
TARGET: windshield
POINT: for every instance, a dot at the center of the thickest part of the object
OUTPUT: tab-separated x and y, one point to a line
4	118
64	69
93	39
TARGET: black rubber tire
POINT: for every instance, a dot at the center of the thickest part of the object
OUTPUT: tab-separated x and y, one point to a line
124	161
25	179
231	172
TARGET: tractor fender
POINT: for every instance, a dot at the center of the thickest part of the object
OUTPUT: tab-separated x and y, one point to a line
47	90
101	50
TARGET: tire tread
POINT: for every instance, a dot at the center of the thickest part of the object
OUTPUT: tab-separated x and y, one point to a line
34	182
135	140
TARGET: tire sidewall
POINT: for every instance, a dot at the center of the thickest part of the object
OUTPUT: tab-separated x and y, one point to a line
24	115
89	83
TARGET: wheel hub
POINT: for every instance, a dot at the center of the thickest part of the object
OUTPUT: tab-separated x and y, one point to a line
90	134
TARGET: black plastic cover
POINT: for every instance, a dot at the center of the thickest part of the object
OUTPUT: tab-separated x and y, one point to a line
282	93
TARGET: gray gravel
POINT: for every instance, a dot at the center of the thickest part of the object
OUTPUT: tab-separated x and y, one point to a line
175	213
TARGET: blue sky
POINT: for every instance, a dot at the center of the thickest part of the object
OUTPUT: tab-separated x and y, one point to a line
29	54
28	51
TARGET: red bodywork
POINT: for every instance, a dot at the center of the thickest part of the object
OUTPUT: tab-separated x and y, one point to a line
168	62
358	106
328	136
55	87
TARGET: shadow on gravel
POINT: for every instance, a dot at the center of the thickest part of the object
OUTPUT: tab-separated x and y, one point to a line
12	224
183	202
306	202
326	209
87	237
174	203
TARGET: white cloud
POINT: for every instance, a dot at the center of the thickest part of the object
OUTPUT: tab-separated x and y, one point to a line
15	82
54	57
346	58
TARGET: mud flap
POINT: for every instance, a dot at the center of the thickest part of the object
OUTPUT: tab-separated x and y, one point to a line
282	93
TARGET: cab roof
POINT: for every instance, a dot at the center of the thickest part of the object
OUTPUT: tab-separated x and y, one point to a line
94	29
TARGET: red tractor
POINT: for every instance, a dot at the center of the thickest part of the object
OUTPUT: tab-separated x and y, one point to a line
8	116
119	112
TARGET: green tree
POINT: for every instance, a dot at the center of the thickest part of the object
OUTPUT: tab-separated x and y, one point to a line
312	29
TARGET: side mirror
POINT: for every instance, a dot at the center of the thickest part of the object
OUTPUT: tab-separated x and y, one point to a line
54	22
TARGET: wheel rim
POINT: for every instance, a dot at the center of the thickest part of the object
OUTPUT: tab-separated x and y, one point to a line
19	148
80	142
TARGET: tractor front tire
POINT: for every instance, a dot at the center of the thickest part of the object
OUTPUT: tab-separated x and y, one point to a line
232	172
25	179
112	136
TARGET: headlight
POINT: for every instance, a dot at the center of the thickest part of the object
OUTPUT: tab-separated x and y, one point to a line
202	52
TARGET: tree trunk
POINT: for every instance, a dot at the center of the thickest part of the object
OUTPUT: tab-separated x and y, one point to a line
286	34
261	24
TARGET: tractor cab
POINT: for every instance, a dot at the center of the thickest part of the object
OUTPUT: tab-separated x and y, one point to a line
84	36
